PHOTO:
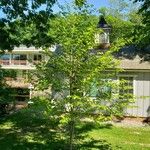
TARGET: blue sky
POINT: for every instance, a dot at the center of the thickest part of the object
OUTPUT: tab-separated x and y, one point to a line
97	3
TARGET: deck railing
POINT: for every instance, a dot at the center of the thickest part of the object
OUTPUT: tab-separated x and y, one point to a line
17	62
4	62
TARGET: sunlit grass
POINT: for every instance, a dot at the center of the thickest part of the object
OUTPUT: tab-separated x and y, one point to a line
124	138
7	125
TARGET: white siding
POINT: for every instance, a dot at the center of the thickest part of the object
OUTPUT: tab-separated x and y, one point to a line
142	93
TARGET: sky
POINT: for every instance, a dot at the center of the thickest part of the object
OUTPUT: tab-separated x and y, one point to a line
97	3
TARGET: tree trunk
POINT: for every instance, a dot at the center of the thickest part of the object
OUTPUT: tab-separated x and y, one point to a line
72	123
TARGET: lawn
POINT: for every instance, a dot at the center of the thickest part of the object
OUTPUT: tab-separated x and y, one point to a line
124	138
31	130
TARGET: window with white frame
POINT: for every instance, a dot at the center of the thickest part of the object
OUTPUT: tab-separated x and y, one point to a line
102	38
126	87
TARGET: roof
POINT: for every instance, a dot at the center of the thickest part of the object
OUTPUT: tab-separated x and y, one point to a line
31	49
133	58
102	23
135	64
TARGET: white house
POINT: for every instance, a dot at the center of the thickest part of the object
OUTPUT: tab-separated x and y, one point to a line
136	71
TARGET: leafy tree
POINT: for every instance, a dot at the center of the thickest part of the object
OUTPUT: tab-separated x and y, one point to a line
122	9
80	77
29	13
121	29
144	31
124	20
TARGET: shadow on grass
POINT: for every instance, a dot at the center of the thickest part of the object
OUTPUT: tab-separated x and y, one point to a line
88	143
30	130
95	144
88	126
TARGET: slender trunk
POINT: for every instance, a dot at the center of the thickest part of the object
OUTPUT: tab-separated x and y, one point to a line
72	123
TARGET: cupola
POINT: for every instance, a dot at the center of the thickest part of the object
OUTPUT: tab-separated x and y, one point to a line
102	38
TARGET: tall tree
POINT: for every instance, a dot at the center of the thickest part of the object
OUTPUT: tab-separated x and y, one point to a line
79	75
28	12
120	9
125	21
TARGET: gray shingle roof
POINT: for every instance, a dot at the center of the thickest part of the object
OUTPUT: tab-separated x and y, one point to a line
133	58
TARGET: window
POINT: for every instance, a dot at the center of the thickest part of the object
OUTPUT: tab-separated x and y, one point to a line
37	58
104	37
20	94
102	90
5	59
126	87
19	59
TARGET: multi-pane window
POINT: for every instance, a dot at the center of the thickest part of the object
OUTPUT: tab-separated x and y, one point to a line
21	94
126	87
19	59
37	58
13	59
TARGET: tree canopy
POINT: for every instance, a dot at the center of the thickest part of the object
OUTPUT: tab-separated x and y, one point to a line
20	16
144	32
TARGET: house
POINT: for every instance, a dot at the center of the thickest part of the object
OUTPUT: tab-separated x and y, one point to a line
136	71
20	62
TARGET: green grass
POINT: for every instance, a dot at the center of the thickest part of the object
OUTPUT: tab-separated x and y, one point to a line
124	138
31	130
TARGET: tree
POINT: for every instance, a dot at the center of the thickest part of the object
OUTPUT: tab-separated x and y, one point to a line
124	20
79	75
29	13
144	31
122	9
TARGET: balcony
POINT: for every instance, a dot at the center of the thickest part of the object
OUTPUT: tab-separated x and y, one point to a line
18	62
